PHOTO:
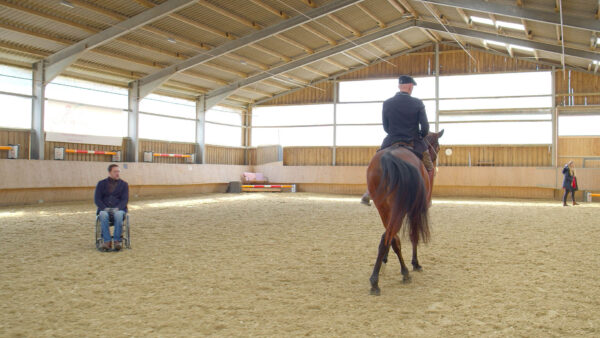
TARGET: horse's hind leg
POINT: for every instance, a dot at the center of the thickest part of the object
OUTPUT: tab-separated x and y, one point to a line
415	261
383	249
397	249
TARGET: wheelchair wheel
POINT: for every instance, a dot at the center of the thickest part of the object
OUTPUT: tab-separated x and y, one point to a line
98	239
127	237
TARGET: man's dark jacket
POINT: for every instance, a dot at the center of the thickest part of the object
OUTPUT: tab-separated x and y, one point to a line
402	115
117	199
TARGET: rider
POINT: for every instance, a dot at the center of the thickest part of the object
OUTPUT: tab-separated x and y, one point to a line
402	117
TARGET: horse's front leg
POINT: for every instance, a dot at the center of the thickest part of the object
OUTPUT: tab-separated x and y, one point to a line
415	261
397	249
383	249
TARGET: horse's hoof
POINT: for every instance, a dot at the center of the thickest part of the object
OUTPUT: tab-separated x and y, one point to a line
417	268
406	279
375	291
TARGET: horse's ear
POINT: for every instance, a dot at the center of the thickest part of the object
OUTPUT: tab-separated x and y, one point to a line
441	133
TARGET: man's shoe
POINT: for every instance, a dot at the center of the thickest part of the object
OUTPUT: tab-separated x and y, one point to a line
106	246
565	205
575	203
117	246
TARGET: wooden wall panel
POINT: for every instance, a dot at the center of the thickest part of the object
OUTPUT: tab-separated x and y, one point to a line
295	156
354	155
225	155
497	156
267	154
576	148
576	88
317	93
165	147
15	136
49	151
420	63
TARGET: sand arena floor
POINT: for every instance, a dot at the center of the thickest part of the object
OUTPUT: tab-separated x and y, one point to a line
298	264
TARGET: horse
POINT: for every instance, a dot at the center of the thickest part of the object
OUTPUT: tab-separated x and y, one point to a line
400	188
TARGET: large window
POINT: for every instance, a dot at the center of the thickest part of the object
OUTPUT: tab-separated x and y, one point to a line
307	125
579	125
358	114
87	93
62	117
223	127
167	119
15	103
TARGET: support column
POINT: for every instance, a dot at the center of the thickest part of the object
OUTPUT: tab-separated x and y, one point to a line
200	130
437	87
133	125
246	133
335	99
554	121
38	90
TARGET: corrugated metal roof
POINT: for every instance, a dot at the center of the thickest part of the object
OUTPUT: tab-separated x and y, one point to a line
102	14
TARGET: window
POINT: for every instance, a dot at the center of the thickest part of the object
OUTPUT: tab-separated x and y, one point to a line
164	105
75	118
85	92
359	135
223	135
224	115
166	128
307	125
15	112
313	114
494	85
15	80
293	136
579	125
381	90
497	133
16	109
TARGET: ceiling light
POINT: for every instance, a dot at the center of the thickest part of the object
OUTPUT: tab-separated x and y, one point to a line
511	25
482	20
529	49
492	42
66	3
171	40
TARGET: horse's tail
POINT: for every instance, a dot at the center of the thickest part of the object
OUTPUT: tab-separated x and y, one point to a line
403	187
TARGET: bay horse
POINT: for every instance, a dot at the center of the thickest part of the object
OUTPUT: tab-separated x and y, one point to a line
400	188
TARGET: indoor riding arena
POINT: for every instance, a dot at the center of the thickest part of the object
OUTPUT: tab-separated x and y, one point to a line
183	168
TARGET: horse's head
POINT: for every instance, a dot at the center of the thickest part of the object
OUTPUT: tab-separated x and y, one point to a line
432	140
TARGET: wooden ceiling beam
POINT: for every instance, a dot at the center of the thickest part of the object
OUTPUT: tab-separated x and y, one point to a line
397	6
230	15
310	3
340	22
329	40
528	32
197	75
464	16
245	60
225	69
350	54
316	71
409	8
273	10
202	26
275	84
379	49
372	15
256	91
271	52
402	41
431	8
335	63
295	43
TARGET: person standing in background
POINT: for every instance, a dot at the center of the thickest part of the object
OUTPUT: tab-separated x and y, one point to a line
569	183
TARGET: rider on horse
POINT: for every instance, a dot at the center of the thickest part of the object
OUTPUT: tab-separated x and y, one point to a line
405	122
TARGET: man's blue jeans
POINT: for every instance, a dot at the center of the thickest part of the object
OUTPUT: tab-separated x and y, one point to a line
118	217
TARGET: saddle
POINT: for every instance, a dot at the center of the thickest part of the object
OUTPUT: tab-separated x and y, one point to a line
407	145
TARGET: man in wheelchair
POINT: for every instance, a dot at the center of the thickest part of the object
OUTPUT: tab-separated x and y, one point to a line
111	197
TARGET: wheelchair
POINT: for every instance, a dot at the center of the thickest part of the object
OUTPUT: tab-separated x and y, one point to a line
125	234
